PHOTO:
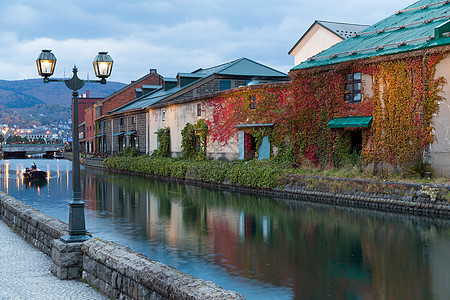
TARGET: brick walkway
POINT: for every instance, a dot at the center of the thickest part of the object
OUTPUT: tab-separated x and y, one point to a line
25	273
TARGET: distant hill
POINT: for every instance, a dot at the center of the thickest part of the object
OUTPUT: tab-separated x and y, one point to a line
30	92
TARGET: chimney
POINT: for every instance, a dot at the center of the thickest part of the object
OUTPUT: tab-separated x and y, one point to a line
87	93
152	71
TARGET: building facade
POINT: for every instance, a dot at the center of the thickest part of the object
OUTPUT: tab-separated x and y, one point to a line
181	100
96	128
393	79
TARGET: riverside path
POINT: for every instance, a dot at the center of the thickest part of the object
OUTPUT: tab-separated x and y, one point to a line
25	273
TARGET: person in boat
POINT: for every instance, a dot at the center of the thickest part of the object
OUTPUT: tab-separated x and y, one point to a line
33	168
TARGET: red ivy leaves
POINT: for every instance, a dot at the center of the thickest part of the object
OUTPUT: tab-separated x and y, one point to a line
405	97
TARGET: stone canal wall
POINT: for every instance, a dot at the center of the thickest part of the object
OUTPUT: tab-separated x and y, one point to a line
422	199
425	199
92	162
117	271
33	225
121	273
87	161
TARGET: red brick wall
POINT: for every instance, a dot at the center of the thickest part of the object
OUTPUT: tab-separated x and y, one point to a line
128	94
84	103
90	126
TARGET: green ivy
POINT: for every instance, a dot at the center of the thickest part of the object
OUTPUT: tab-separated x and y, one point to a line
202	128
163	150
129	152
188	141
189	137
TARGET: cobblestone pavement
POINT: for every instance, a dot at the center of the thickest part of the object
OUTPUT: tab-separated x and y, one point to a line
25	273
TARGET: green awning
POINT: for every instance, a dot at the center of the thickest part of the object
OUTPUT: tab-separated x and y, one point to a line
119	133
130	133
350	122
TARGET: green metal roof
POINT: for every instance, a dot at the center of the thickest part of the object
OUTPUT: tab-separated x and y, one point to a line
421	25
350	122
238	67
242	67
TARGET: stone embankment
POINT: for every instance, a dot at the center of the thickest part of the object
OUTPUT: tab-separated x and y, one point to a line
115	270
424	199
33	225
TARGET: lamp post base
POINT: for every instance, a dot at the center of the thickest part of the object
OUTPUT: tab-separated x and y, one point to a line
74	238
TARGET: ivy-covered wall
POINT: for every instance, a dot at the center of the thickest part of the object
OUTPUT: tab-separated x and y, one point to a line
407	96
404	96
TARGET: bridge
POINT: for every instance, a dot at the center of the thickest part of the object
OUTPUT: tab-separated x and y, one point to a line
22	150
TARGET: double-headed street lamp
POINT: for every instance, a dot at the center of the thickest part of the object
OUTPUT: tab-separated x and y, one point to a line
102	66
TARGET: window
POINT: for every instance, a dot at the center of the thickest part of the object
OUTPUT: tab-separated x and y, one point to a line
353	87
133	120
199	109
163	117
121	121
253	102
224	85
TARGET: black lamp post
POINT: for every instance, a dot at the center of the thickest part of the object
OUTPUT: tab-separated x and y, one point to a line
102	66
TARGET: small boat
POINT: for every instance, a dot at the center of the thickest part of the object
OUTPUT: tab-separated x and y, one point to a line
58	154
33	173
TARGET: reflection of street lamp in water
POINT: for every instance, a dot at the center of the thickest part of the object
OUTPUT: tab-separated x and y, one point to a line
102	63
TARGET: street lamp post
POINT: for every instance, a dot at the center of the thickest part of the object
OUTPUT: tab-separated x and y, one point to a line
102	63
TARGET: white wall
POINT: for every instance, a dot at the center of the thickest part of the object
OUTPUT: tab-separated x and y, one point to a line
440	149
177	116
314	42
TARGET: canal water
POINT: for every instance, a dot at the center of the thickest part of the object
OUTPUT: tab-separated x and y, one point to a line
264	248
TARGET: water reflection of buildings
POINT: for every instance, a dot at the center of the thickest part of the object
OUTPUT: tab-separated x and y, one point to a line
314	252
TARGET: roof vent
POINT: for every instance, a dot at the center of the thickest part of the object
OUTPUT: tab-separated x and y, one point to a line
442	30
253	82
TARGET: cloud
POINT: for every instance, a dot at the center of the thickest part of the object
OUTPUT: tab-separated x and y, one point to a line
172	35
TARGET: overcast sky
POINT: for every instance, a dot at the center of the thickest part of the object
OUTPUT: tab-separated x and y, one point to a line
169	35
